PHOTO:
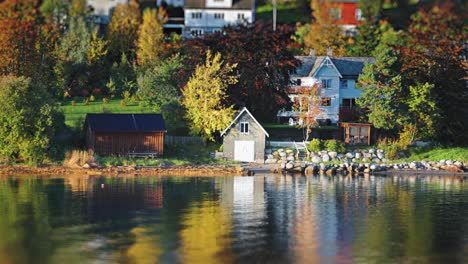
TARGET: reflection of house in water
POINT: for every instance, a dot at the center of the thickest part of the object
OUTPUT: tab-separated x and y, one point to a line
245	195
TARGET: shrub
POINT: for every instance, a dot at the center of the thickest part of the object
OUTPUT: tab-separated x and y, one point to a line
314	145
126	95
77	158
334	145
123	103
73	103
86	101
105	100
91	98
30	120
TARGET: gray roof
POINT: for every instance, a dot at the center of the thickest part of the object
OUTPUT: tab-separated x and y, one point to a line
307	62
351	66
347	66
236	4
126	122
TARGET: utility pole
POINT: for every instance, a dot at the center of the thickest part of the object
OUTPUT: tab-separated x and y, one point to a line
274	14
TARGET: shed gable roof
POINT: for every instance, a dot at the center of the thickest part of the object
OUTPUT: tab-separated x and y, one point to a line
244	110
126	122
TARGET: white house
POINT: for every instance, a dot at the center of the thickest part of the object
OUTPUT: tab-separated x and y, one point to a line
336	78
208	16
102	9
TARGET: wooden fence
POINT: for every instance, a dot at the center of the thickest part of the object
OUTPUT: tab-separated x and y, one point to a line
179	140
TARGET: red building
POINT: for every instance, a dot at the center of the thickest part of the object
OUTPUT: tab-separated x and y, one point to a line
347	14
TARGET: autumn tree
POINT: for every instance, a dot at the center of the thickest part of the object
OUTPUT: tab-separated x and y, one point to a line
78	8
150	44
308	106
122	31
18	37
432	66
29	120
204	97
264	65
323	32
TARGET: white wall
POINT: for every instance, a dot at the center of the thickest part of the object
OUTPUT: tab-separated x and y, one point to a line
219	3
102	8
330	112
208	23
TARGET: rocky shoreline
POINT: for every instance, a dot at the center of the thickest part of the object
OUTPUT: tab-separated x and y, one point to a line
354	162
183	170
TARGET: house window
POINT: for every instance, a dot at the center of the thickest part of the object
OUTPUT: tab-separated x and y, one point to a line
348	102
197	15
344	84
298	82
241	16
196	32
244	127
219	15
358	14
335	13
326	101
326	83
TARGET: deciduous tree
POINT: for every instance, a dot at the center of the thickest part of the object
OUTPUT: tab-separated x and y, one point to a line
263	63
18	37
324	32
29	119
150	44
433	58
123	31
308	107
204	97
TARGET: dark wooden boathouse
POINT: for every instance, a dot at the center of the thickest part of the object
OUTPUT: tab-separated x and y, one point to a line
125	134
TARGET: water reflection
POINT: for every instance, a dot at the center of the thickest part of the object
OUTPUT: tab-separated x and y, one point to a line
274	219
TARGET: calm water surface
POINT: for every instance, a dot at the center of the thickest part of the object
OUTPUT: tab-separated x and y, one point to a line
261	219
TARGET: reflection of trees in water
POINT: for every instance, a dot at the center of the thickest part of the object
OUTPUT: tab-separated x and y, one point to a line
24	221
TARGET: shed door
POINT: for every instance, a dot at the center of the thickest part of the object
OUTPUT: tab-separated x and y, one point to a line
244	150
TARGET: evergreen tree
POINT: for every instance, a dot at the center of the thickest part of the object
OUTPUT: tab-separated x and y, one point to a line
383	95
205	94
369	29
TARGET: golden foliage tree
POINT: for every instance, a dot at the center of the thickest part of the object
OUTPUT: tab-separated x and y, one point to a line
324	32
150	44
205	94
123	30
308	107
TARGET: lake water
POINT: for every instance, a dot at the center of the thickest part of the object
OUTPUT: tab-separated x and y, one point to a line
260	219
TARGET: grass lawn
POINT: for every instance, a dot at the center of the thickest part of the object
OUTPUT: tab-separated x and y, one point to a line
438	153
173	155
75	114
286	13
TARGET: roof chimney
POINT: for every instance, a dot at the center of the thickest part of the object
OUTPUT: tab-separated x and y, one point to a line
312	52
330	52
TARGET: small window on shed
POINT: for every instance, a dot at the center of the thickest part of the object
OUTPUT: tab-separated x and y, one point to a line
244	127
